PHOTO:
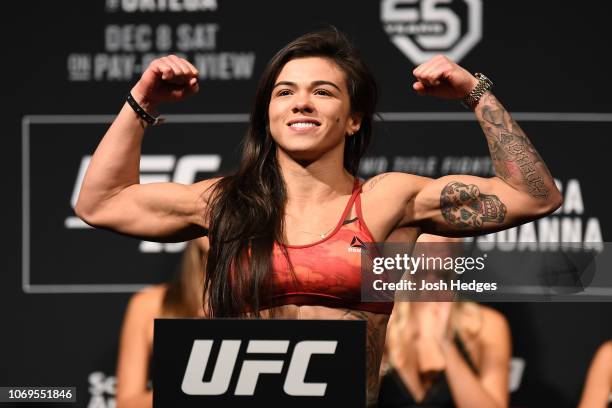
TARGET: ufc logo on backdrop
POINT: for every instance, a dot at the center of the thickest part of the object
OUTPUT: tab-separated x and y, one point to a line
422	29
250	370
154	169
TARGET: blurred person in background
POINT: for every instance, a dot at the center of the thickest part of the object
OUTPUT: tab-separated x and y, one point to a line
597	392
180	298
445	354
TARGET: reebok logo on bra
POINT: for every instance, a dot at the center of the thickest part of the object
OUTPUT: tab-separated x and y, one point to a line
356	245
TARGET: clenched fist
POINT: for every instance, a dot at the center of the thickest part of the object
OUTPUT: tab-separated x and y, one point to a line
443	78
169	78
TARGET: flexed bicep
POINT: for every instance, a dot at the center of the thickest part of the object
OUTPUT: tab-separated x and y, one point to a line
464	205
162	212
523	188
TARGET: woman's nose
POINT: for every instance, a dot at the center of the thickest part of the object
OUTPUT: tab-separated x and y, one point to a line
302	104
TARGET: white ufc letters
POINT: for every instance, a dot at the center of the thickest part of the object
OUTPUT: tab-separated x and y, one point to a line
251	368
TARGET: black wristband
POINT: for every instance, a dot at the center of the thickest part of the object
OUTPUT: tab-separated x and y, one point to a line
143	114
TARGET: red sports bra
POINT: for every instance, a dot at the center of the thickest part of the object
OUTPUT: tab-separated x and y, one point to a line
327	272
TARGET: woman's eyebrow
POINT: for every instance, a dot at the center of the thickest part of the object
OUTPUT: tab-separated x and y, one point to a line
317	83
286	83
313	83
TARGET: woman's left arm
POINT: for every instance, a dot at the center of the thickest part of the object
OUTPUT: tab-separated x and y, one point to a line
462	205
488	388
521	177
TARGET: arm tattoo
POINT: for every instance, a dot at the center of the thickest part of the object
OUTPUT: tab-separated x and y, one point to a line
464	206
375	342
370	184
515	159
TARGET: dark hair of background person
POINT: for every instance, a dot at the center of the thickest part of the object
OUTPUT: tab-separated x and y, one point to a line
246	209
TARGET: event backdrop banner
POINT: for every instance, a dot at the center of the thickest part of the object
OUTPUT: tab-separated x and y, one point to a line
70	65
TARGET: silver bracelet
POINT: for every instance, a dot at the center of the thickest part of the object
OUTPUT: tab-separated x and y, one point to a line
484	84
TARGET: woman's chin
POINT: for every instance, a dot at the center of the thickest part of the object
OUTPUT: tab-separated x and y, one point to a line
301	152
306	151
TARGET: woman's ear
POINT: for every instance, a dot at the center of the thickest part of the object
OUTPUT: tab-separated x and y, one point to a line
354	124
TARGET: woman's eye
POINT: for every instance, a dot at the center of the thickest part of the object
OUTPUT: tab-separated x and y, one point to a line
322	92
284	92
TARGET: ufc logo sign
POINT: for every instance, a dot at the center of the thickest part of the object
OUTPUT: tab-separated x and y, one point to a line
250	370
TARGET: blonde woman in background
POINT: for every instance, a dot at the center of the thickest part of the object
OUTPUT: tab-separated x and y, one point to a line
597	391
445	354
182	297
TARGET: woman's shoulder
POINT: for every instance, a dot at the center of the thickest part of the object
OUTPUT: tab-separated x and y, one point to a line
392	181
204	189
385	200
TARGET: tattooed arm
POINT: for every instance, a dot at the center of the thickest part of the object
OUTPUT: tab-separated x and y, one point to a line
515	159
522	190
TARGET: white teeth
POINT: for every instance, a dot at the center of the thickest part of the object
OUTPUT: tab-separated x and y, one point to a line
303	124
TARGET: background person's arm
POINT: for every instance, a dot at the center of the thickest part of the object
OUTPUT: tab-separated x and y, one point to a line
598	385
135	349
111	195
488	388
437	350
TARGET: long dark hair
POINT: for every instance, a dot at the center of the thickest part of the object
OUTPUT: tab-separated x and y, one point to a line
246	209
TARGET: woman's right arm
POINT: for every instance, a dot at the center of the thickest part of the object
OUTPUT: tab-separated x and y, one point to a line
112	197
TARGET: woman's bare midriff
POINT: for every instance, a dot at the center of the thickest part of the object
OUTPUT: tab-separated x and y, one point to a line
375	342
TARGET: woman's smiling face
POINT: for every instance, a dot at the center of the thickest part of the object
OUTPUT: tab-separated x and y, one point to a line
310	110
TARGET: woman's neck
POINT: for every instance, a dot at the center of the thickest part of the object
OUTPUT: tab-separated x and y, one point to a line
314	182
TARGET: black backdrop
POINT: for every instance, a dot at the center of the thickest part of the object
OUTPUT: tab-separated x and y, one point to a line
67	66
